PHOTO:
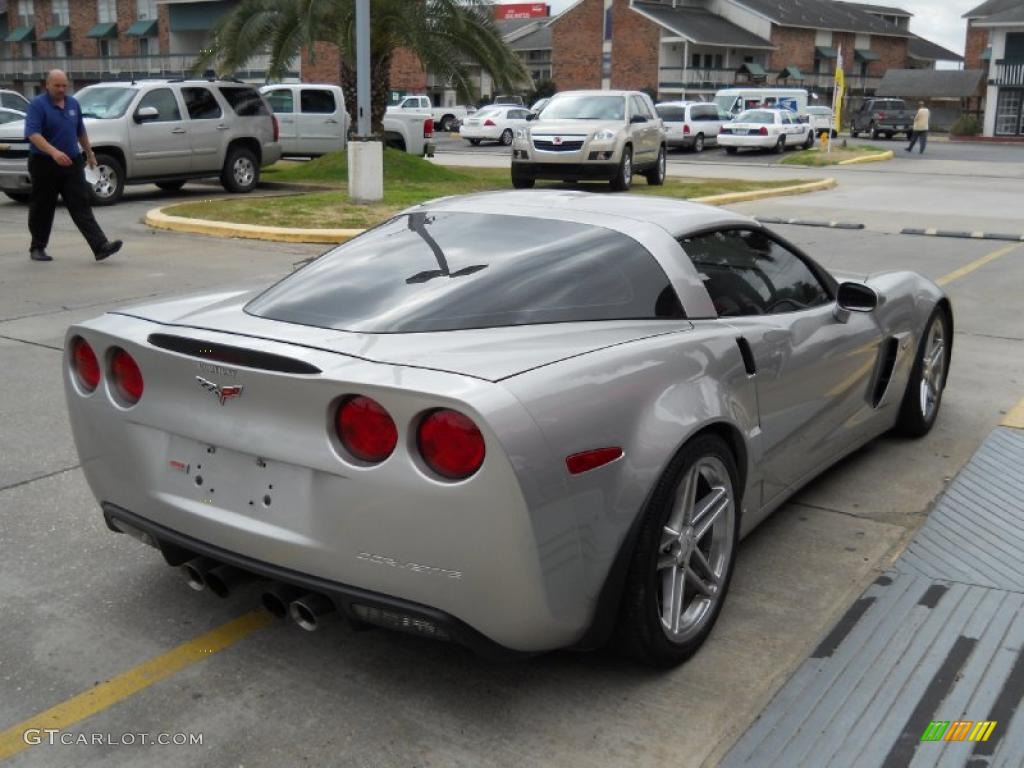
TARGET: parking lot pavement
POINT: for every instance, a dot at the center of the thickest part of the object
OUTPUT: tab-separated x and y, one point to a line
83	606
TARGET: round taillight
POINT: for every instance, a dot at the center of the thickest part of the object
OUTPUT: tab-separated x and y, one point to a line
763	131
86	366
127	376
451	444
366	430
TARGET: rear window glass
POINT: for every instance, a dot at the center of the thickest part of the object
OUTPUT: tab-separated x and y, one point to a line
201	103
448	271
893	105
709	112
317	101
672	114
245	101
756	116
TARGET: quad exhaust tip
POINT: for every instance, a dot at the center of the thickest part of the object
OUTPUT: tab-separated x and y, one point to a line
223	579
307	610
278	598
195	571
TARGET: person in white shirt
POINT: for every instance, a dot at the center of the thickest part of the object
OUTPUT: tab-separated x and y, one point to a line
920	133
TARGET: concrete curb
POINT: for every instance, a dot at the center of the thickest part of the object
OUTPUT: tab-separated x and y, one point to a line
877	158
763	194
962	234
1014	418
809	222
156	218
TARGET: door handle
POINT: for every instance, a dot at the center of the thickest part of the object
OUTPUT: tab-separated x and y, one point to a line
178	130
747	354
222	127
331	120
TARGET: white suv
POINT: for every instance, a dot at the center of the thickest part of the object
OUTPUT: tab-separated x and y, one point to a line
690	124
164	132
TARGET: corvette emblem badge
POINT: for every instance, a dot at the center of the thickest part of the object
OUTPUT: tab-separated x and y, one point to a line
223	393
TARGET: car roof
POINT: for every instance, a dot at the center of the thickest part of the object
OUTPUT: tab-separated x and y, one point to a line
594	92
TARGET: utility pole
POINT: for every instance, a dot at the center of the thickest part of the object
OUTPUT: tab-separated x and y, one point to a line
365	155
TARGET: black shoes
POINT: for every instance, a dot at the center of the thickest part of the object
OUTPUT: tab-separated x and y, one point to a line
39	254
109	248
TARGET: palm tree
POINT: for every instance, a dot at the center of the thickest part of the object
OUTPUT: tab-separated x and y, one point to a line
446	35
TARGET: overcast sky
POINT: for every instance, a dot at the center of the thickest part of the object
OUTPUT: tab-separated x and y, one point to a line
937	20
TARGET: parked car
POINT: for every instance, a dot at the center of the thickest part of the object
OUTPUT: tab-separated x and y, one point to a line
496	123
162	132
13	100
312	117
519	421
516	101
592	135
445	118
775	129
539	104
690	124
10	115
882	116
822	120
732	101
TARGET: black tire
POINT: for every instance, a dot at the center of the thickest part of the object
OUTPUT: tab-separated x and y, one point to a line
641	631
915	419
809	141
780	146
731	150
656	175
854	133
241	171
522	180
109	189
170	186
447	123
506	138
19	197
698	143
623	178
474	142
889	134
873	130
834	134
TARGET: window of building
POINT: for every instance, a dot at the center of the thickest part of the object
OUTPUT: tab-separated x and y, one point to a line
148	46
695	61
608	23
60	13
29	50
145	9
108	48
26	13
106	11
62	49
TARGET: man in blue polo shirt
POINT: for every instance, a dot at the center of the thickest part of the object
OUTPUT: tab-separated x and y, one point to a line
55	128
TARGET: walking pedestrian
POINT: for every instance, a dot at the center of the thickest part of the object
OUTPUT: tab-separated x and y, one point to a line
54	127
920	132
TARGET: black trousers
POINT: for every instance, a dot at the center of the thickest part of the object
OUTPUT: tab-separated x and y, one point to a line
50	180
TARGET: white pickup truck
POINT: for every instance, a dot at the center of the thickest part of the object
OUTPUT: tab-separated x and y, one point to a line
314	121
445	118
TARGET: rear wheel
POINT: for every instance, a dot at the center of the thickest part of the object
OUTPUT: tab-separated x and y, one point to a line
854	133
447	123
506	137
888	134
698	142
873	130
109	186
680	570
923	395
170	186
19	197
730	150
809	141
623	178
656	175
780	145
474	142
241	171
522	180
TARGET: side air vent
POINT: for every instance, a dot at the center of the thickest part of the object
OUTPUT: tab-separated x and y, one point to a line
223	353
890	348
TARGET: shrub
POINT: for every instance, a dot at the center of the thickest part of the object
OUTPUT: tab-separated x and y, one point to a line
966	125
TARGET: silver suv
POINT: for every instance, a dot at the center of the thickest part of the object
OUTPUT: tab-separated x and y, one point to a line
591	135
164	132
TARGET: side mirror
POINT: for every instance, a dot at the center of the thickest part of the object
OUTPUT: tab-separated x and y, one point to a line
532	116
638	119
854	297
146	114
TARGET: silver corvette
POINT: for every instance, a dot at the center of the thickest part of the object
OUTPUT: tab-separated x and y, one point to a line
519	421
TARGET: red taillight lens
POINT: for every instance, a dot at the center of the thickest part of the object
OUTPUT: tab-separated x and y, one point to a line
686	128
277	127
428	128
584	462
86	366
763	131
488	123
451	444
127	376
366	429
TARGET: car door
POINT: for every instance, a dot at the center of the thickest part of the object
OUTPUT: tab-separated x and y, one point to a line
207	128
282	103
160	146
641	133
706	116
320	121
813	366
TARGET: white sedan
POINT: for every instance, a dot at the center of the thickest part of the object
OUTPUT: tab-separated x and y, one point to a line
774	129
494	124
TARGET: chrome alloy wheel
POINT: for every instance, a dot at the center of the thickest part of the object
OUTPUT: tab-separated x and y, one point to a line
933	369
696	549
243	171
106	185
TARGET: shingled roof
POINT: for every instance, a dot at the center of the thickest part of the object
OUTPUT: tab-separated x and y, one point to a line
919	48
930	83
822	14
990	8
700	26
1009	16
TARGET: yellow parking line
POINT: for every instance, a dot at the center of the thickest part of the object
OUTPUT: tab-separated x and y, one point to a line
1015	417
956	274
130	682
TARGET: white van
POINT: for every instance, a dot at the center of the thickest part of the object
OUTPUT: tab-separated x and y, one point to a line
736	100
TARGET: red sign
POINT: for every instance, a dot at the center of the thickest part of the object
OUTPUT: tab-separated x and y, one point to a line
522	11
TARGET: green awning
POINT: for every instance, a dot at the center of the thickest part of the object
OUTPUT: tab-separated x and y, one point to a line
824	52
57	33
751	68
866	55
103	31
142	28
791	73
986	55
20	35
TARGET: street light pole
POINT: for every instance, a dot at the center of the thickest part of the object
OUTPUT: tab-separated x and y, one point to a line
365	155
363	68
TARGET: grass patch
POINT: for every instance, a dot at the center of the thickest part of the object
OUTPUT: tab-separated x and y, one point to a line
408	180
819	157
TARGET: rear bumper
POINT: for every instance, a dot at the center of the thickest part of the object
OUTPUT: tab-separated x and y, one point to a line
759	142
271	153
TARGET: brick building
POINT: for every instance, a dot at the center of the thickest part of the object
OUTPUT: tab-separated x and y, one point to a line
995	44
693	48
